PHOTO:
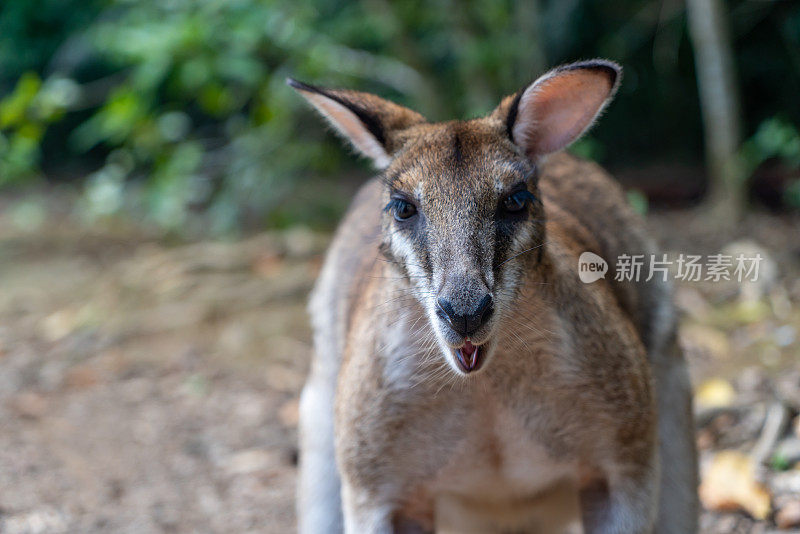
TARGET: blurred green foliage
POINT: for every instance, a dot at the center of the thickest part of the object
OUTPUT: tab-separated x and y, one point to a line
180	107
776	139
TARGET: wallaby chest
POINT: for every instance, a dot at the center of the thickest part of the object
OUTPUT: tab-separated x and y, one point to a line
497	472
502	456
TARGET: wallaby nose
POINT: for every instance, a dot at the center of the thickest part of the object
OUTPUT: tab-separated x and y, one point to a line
466	325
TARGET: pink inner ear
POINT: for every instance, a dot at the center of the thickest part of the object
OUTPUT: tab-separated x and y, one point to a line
555	111
349	125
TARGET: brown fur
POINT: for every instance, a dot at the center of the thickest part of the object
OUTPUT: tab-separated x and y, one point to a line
562	421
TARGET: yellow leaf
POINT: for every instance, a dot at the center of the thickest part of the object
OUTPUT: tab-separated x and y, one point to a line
729	483
715	393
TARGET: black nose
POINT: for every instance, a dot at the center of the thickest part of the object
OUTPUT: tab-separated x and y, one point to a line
466	324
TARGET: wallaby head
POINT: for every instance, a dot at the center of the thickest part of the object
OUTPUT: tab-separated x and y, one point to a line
462	217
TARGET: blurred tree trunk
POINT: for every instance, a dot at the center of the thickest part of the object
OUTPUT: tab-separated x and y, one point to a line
719	100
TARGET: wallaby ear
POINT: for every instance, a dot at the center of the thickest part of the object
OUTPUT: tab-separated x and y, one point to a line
555	110
369	122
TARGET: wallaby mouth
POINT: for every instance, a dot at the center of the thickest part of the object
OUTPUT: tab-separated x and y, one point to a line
469	357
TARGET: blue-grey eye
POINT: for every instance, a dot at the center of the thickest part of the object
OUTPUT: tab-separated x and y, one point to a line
401	209
518	201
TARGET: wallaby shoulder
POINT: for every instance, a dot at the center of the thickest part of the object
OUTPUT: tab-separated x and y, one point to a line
352	252
588	196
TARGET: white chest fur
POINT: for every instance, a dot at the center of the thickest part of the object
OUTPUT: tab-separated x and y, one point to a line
500	478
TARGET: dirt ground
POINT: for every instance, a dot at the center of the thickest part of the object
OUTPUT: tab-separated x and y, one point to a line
148	387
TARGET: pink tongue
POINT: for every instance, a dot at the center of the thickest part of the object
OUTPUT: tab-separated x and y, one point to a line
469	350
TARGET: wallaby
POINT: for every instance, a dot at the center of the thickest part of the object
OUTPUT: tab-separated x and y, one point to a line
465	379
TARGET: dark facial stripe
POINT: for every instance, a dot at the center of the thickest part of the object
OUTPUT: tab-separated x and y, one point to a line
458	156
502	244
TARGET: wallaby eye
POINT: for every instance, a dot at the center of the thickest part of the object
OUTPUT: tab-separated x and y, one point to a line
516	202
402	209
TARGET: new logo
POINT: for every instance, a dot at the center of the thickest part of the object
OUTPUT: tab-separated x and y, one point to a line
591	267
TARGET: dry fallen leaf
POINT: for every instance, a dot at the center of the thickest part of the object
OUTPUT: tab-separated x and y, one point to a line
729	483
715	393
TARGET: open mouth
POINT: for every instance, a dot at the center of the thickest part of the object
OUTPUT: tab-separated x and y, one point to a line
469	357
